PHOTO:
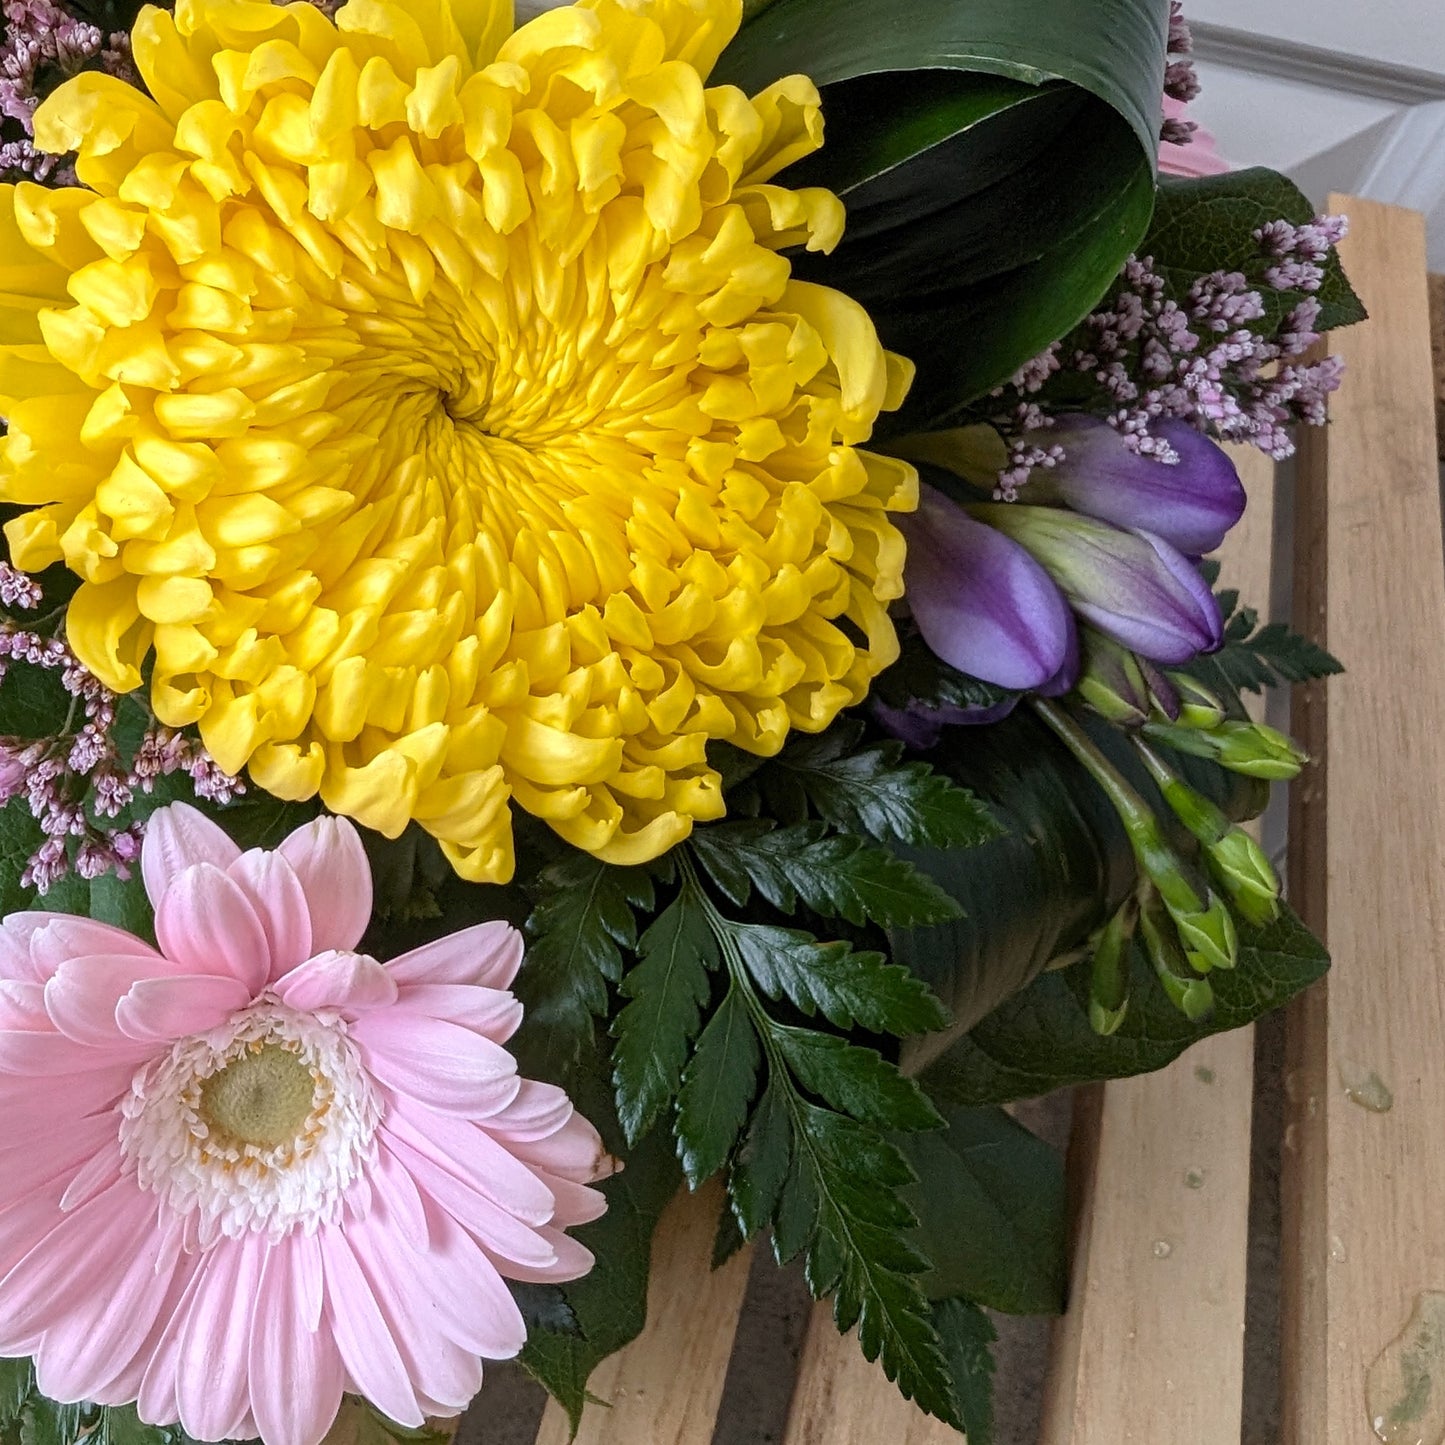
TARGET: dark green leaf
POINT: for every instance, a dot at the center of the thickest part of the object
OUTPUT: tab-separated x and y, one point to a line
841	876
1042	1039
33	704
610	1303
716	1089
755	1182
667	989
16	1382
1207	224
850	989
544	1307
996	157
990	1201
854	1080
872	790
860	1255
967	1339
585	917
1255	658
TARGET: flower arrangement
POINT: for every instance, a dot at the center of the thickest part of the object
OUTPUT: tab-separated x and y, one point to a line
650	555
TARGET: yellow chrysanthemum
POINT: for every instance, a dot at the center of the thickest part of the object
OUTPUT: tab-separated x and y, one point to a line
433	402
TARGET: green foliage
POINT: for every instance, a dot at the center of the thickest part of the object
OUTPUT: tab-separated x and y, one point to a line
585	915
870	789
834	875
967	1339
712	1104
1041	1039
1207	224
990	1201
667	989
28	1418
1254	658
996	157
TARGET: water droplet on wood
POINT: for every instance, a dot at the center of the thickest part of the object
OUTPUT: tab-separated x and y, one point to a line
1405	1387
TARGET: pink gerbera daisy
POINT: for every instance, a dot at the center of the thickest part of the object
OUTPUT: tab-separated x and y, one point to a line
253	1169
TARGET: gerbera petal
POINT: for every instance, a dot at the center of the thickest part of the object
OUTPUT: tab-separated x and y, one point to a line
575	1203
351	982
24	1167
442	1065
157	1010
336	877
296	1374
30	1113
212	1387
82	995
538	1110
473	1305
488	1011
178	837
572	1261
575	1151
487	953
399	1198
471	1155
362	1333
502	1233
205	922
29	1051
124	1385
22	1005
52	938
279	901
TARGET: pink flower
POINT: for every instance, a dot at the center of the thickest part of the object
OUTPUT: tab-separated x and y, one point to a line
255	1169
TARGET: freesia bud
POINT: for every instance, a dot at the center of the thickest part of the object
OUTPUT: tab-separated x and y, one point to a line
1189	993
1197	706
1109	971
1254	749
1132	586
1244	871
982	603
1112	682
1191	502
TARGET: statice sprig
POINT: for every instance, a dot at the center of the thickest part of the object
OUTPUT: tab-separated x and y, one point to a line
74	776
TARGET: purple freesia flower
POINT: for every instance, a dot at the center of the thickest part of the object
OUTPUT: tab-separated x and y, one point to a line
982	603
1191	502
1132	585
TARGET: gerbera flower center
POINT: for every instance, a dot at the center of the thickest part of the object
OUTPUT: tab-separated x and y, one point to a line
261	1125
262	1098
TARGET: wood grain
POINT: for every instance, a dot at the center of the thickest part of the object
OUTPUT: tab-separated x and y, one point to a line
1365	1188
1437	346
1152	1346
664	1388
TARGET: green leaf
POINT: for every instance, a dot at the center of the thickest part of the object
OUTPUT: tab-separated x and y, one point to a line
1254	658
760	1168
858	1252
841	876
1042	1039
991	1206
1207	224
849	989
854	1080
16	1381
585	916
872	790
609	1303
33	703
667	989
968	1338
996	157
717	1087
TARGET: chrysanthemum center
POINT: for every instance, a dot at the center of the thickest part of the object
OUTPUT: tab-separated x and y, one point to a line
263	1097
261	1125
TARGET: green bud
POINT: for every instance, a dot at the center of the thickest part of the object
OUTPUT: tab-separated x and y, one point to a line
1199	708
1109	971
1111	681
1204	924
1189	993
1241	867
1250	748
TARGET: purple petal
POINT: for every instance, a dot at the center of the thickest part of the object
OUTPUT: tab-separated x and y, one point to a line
981	602
1191	503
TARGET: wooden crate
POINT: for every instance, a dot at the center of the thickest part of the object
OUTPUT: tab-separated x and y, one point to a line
1153	1346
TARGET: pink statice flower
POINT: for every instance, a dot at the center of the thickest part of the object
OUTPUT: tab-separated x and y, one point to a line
252	1169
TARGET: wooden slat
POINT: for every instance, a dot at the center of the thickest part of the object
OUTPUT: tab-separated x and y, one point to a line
1363	1190
664	1388
1152	1346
